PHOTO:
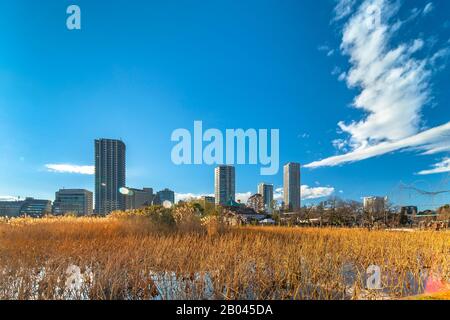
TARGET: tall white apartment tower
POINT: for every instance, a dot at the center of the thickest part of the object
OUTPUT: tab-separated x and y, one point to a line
224	184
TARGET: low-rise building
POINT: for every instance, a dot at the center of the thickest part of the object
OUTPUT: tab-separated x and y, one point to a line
408	210
75	201
236	213
35	208
256	202
10	208
375	204
164	195
208	199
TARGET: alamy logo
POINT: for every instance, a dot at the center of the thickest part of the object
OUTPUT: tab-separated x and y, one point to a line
229	150
73	21
373	274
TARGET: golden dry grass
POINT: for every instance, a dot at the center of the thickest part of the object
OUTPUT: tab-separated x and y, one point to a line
434	296
130	259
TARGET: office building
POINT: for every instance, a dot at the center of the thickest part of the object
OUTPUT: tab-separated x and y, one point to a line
266	190
10	208
224	184
75	201
109	175
137	198
375	204
35	208
164	195
291	186
208	199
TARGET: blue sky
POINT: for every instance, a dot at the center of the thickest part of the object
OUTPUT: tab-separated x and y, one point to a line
358	89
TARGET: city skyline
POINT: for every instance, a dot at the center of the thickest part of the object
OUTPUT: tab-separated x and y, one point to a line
110	155
244	65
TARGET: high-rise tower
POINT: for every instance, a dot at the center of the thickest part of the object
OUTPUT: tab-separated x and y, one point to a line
224	184
109	175
291	185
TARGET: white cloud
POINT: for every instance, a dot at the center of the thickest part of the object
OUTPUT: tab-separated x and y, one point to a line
8	198
339	144
70	168
430	141
394	86
242	196
336	71
304	135
414	13
342	76
428	8
307	192
278	194
324	48
439	56
440	167
190	196
343	8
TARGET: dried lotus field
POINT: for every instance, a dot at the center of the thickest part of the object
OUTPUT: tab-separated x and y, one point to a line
131	258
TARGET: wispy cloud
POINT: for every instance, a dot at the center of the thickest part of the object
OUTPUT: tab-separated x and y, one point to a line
431	141
70	168
440	167
428	8
343	8
395	85
324	48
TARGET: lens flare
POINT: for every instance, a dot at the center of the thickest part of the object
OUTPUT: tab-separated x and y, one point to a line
124	191
167	204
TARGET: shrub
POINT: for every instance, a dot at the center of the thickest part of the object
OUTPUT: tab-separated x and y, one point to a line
187	218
